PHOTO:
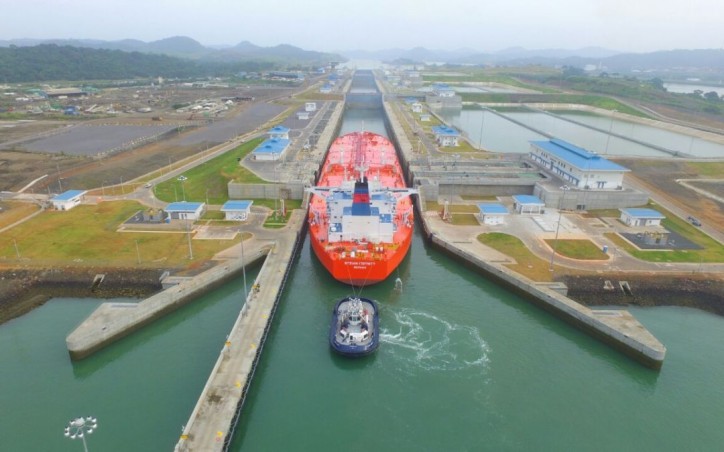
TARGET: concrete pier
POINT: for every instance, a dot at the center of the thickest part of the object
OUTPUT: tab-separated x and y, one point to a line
617	328
113	321
213	420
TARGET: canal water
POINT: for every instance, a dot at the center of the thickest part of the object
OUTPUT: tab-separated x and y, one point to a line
501	135
463	364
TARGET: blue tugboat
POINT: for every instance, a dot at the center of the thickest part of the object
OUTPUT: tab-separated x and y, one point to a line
354	330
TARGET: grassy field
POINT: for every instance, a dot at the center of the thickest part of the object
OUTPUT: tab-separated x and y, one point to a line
10	212
578	249
712	251
210	179
86	235
528	264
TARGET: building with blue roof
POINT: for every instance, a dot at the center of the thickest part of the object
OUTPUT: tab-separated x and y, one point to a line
271	149
641	217
185	210
237	210
68	199
446	136
492	213
576	166
528	204
279	132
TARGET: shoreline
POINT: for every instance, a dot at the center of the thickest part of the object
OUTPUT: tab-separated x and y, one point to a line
22	290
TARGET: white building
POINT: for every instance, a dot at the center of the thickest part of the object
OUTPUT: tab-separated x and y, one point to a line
69	199
184	210
528	204
576	166
310	106
279	133
641	217
237	210
417	107
446	136
492	213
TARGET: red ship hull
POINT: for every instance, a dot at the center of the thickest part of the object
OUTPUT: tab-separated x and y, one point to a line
361	234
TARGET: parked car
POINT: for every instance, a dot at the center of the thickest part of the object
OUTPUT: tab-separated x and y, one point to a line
694	221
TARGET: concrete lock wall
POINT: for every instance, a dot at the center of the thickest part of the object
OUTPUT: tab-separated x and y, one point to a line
590	199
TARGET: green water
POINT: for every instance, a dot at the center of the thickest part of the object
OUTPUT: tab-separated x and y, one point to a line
463	365
466	365
142	389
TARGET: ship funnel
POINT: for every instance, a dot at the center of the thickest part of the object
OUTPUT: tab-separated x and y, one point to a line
361	198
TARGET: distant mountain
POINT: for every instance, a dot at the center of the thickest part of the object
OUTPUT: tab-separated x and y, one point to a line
47	62
185	47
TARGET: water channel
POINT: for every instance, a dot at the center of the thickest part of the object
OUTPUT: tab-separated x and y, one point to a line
501	135
463	365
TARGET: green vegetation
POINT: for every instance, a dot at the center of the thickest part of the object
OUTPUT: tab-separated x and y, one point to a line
527	263
87	235
11	212
465	219
52	62
578	249
708	169
210	179
712	250
593	100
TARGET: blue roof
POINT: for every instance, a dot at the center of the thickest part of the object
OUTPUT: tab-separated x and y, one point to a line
445	130
578	157
236	205
643	213
527	199
68	195
183	206
492	208
279	129
272	146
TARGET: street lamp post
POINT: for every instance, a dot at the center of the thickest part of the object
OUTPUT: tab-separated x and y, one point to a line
80	427
188	235
482	126
610	128
565	188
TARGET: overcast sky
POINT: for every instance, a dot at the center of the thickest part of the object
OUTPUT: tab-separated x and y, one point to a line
327	25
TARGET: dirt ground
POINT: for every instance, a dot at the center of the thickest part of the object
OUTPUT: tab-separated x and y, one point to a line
660	177
18	168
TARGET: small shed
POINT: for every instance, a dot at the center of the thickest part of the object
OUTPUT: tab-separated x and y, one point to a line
302	115
641	217
270	150
237	210
528	204
492	213
446	136
425	117
185	210
417	107
311	106
69	199
279	132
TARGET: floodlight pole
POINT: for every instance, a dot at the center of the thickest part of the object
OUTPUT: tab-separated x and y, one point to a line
565	188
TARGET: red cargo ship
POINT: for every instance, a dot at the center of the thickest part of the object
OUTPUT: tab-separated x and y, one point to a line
360	214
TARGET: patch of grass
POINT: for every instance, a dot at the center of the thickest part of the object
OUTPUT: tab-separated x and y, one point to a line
707	169
464	219
87	236
11	212
210	179
578	249
603	213
528	264
479	198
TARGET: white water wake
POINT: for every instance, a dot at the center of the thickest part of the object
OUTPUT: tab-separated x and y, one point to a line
420	340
